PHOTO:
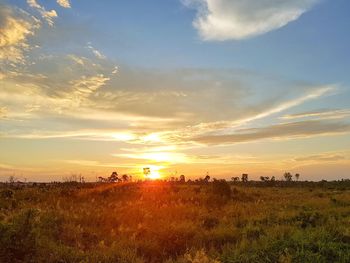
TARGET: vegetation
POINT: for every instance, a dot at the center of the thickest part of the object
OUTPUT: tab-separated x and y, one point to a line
176	222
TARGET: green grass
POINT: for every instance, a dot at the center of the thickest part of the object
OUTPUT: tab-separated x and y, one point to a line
174	222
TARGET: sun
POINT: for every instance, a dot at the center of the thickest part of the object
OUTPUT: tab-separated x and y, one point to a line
154	175
152	172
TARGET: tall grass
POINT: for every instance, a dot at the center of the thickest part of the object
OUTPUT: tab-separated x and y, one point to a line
175	222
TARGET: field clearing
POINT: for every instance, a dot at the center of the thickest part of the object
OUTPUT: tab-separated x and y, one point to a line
175	222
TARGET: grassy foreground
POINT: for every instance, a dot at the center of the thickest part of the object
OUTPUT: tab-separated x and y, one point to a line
174	222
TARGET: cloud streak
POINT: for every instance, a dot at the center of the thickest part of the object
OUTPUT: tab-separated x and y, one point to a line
225	126
325	157
320	114
280	131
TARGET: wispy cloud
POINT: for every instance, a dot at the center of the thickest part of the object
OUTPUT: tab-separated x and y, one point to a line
47	15
64	3
235	19
92	163
86	86
225	126
96	52
291	130
77	59
324	157
156	157
96	135
16	26
319	114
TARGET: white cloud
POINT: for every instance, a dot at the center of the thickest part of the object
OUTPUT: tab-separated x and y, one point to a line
64	3
237	19
96	52
47	15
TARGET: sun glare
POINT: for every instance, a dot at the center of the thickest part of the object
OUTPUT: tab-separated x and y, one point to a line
152	172
123	136
154	175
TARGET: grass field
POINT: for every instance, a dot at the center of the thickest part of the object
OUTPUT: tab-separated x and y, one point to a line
176	222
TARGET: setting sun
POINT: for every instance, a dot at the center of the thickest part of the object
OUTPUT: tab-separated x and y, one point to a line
152	172
154	175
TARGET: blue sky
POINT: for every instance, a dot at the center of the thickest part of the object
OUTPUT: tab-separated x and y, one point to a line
159	34
178	78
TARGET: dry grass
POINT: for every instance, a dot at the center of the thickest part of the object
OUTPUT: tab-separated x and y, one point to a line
173	222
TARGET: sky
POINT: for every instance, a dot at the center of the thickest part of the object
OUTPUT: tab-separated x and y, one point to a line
189	87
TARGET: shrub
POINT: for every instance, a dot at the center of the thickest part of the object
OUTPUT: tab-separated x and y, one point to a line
221	188
18	239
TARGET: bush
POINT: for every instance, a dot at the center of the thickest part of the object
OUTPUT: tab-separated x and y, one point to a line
18	239
221	188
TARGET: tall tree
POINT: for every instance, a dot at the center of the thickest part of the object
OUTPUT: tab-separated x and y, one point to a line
288	176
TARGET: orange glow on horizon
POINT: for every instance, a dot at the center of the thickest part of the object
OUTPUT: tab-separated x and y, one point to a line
153	172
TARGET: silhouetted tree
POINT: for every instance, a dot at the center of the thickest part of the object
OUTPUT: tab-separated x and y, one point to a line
244	178
125	178
235	179
113	178
12	179
102	179
297	176
288	176
81	179
206	178
273	179
146	171
182	178
264	178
